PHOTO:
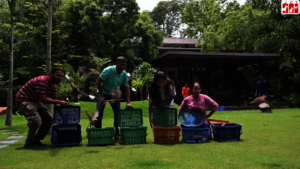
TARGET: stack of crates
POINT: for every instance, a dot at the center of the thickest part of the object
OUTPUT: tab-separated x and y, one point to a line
131	127
193	130
165	129
66	130
224	131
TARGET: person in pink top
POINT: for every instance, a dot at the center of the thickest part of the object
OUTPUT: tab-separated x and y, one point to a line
199	102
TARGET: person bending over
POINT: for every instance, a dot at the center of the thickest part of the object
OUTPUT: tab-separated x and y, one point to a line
30	100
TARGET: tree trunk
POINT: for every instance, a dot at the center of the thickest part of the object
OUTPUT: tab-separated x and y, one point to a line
8	121
49	36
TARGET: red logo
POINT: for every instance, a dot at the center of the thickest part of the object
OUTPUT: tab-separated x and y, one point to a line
290	7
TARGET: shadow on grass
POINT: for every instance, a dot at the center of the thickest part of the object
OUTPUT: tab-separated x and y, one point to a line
149	163
53	150
272	165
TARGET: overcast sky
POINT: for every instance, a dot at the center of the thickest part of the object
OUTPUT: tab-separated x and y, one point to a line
150	4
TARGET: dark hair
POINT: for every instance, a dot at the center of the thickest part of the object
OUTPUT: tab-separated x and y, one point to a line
260	75
55	69
153	89
195	84
121	59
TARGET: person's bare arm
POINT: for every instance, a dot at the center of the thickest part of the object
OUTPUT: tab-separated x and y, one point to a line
46	100
56	104
169	101
99	87
211	113
127	91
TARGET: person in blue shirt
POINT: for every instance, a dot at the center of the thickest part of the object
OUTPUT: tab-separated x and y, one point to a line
109	84
261	87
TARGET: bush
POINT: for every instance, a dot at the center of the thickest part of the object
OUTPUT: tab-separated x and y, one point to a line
63	90
293	100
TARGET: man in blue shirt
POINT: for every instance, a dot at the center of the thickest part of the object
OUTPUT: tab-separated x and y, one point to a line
110	80
261	87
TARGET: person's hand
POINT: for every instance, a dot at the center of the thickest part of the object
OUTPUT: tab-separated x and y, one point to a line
128	105
166	106
63	103
102	101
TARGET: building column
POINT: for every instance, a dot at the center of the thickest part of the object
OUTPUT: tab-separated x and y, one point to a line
178	83
191	77
259	67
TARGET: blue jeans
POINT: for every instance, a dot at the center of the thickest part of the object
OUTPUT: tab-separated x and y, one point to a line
116	107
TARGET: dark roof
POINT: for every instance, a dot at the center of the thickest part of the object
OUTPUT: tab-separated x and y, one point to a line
209	59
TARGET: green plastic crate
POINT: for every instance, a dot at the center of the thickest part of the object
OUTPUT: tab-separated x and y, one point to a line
100	136
165	117
133	135
130	118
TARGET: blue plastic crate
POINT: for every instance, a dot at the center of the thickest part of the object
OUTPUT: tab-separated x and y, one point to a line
227	132
66	135
66	115
221	108
191	118
196	135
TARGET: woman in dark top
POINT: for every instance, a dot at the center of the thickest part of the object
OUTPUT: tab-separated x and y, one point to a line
161	93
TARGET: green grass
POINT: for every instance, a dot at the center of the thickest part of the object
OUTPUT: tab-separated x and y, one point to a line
268	141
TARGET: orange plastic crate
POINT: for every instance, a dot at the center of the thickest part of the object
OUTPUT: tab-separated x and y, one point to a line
213	121
166	135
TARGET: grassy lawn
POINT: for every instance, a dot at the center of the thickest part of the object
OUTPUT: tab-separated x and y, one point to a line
268	141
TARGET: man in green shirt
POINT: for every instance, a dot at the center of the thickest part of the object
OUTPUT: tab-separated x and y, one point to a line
110	80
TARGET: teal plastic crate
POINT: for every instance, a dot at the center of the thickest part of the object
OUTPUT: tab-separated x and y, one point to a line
133	135
130	117
165	117
100	136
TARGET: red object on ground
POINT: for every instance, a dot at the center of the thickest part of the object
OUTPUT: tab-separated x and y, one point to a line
3	110
213	121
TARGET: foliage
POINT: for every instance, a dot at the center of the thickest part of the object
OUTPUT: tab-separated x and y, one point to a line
293	100
141	76
166	16
64	90
199	15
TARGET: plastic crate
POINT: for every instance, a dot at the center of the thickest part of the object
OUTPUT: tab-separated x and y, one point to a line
196	135
133	135
66	134
66	115
100	136
130	118
221	108
166	135
190	118
227	132
165	117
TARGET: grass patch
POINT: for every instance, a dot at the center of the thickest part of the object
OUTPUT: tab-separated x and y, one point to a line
268	141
